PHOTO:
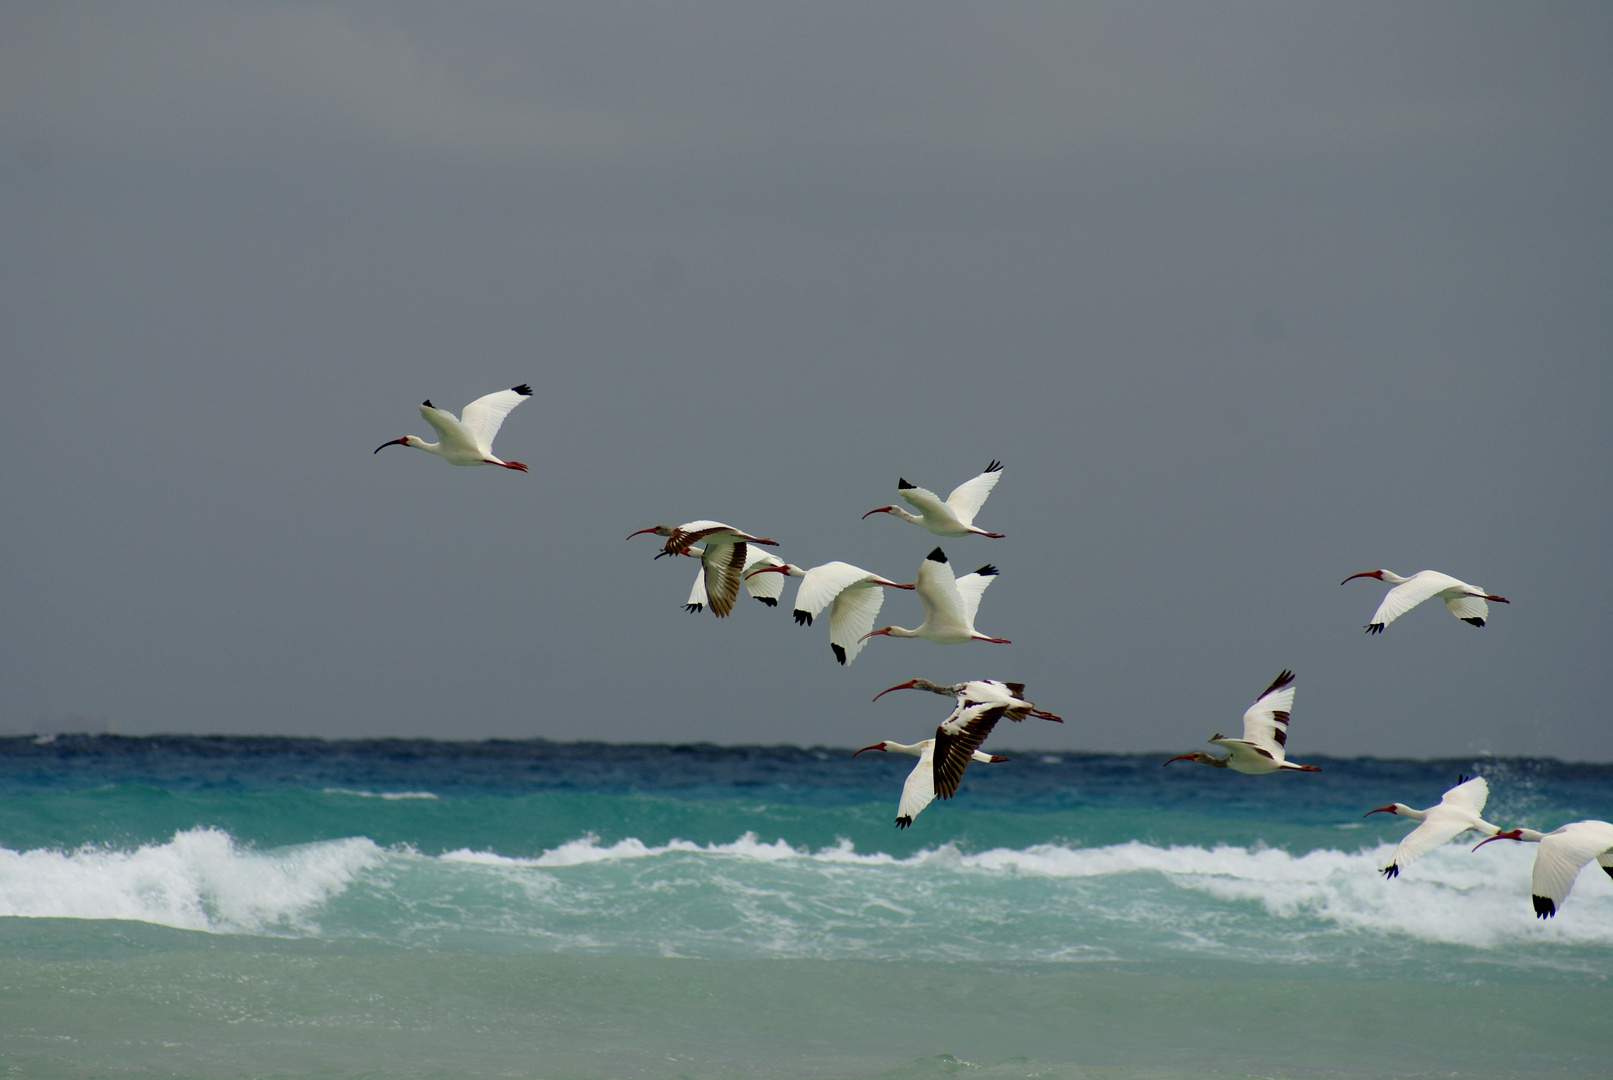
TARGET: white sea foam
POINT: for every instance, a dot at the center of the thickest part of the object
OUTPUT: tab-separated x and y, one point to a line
379	794
199	880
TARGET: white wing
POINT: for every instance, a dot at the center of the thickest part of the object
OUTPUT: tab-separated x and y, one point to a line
1470	795
823	583
450	432
919	791
1469	607
927	503
1442	824
1563	854
971	587
1265	724
938	588
484	416
850	617
765	587
1409	593
967	498
697	595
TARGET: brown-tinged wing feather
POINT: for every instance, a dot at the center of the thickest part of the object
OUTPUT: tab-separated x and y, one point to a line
956	740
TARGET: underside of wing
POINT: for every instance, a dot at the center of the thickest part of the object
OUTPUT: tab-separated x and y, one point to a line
765	587
851	616
919	790
484	416
723	564
1408	594
968	497
956	741
823	583
1436	830
1563	854
1470	609
697	595
971	587
1265	723
1470	795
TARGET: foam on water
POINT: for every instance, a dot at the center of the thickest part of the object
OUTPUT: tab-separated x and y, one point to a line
749	898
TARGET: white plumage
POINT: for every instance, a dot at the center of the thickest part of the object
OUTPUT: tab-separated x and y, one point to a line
1457	812
1466	602
468	439
950	603
1563	854
1265	735
852	595
955	516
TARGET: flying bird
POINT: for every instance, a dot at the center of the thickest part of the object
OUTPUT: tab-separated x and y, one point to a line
956	516
929	780
1458	811
1265	733
852	595
467	439
723	558
981	691
949	603
765	589
1563	854
1467	602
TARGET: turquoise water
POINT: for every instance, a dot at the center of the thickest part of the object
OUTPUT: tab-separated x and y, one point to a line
261	907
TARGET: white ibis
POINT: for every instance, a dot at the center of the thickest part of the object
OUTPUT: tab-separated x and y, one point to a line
1467	602
949	604
765	589
723	557
956	516
1265	733
1458	811
852	595
935	776
981	691
468	439
1563	854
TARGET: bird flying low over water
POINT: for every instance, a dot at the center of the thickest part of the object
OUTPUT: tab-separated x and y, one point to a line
942	759
981	691
1265	733
852	595
1563	854
950	603
468	439
1458	811
723	558
1467	602
956	516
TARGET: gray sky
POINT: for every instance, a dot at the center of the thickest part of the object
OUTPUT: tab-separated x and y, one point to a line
1248	298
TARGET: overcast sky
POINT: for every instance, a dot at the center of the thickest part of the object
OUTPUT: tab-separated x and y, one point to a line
1247	298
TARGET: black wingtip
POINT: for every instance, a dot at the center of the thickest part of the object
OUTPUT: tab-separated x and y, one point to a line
1390	871
1474	622
1375	628
995	466
427	403
1545	907
1462	778
840	654
524	390
694	609
903	485
903	822
803	618
770	601
987	571
937	556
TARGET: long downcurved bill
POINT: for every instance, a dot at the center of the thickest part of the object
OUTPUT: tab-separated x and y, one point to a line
879	510
767	570
1510	834
1379	810
873	746
395	442
1183	757
1364	573
872	633
908	685
651	529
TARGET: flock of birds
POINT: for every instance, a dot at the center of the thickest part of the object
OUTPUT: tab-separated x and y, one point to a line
731	558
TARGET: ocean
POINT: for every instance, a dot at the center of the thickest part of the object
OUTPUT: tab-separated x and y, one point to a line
274	907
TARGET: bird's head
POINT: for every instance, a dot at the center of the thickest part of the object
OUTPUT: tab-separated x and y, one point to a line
1392	808
879	510
1365	573
876	746
1510	834
407	440
908	685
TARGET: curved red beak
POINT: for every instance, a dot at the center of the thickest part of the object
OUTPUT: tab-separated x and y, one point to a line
872	633
1510	834
651	529
880	510
1181	757
1365	573
1379	810
395	442
908	685
874	746
767	570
